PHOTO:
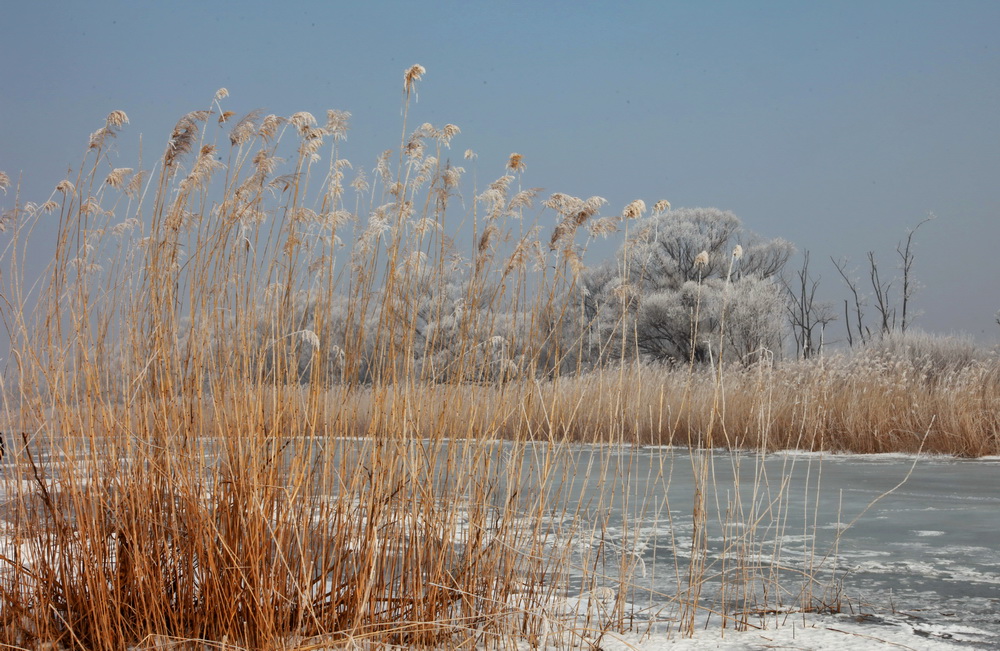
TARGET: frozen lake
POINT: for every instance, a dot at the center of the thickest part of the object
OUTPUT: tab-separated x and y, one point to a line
927	555
918	558
922	557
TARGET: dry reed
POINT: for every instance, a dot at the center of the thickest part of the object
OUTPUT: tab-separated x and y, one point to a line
236	432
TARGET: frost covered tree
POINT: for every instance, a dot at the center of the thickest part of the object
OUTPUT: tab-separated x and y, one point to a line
678	324
658	300
755	318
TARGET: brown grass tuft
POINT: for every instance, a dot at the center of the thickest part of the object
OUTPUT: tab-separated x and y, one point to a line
117	119
413	74
634	210
516	163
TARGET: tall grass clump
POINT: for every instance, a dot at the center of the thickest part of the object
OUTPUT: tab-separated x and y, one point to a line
197	458
264	398
231	398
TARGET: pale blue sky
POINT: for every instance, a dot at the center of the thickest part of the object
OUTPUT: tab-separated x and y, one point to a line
835	125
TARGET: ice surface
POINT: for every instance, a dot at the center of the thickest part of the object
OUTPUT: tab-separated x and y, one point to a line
913	567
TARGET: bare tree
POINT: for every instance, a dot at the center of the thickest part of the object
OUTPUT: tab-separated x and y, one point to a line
906	256
883	301
804	314
860	329
883	304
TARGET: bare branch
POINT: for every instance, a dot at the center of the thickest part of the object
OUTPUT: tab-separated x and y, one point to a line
858	303
906	256
804	314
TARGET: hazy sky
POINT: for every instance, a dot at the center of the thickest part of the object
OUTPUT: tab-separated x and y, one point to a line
835	125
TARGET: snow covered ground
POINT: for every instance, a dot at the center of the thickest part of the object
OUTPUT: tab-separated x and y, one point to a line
815	633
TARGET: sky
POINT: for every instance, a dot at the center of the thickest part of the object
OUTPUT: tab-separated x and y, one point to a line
834	125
